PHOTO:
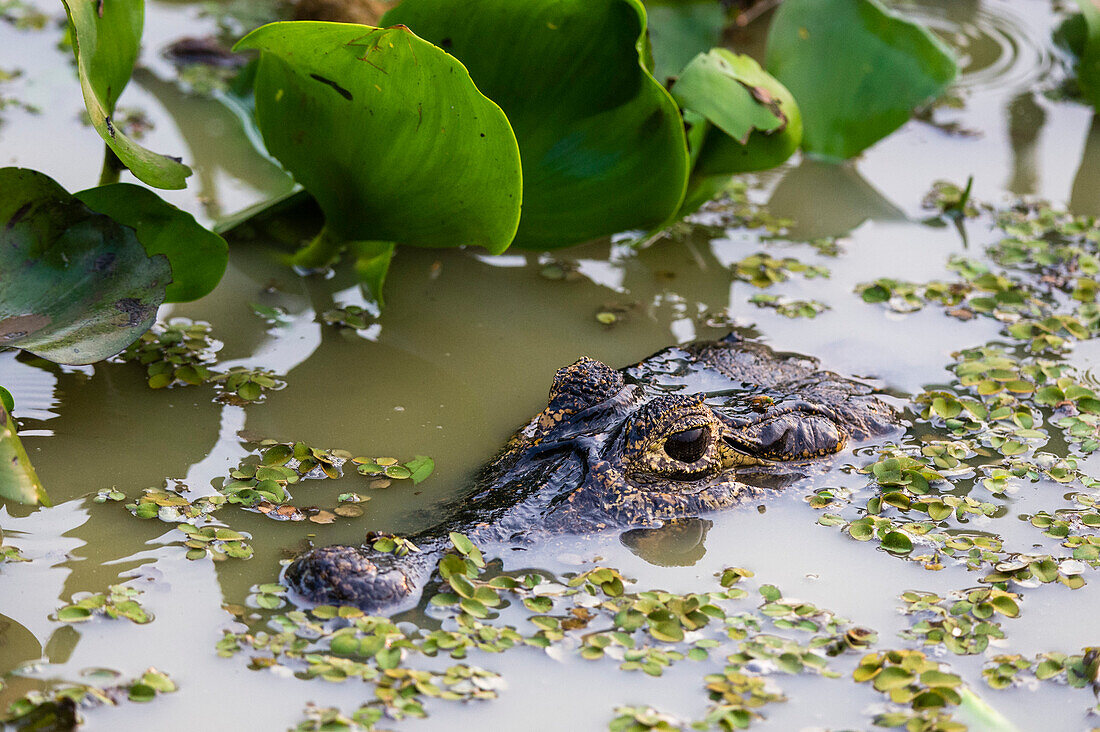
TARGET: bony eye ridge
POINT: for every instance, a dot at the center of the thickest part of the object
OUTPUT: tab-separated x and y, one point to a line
689	445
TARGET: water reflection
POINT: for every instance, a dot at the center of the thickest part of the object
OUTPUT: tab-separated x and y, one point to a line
676	543
220	150
827	199
1085	195
165	430
1025	122
17	644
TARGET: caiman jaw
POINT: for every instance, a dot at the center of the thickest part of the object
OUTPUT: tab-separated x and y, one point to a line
733	458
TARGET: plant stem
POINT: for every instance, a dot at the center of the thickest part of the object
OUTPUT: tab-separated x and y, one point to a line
112	167
319	253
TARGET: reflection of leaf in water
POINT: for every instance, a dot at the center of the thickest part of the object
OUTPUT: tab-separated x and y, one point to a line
851	200
19	644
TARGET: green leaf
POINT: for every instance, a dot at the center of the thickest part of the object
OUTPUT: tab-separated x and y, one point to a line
602	142
6	400
77	286
896	542
18	480
388	133
856	69
680	29
421	467
741	120
1088	63
198	257
372	263
74	614
106	37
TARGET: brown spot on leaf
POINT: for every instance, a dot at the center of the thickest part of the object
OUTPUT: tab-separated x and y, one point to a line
136	311
19	326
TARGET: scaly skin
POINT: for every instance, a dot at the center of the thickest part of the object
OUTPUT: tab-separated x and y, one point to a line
626	448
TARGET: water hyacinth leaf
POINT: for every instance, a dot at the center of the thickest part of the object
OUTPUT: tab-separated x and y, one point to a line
680	29
6	400
741	120
602	142
372	263
78	286
1088	61
388	133
198	257
856	69
18	481
106	37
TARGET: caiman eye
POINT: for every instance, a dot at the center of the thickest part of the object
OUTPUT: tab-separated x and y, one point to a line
688	446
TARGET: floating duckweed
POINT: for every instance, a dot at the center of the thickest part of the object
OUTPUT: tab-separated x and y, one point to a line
391	544
419	468
178	352
273	316
963	622
737	698
642	719
182	353
118	602
170	505
789	307
349	316
763	270
9	553
60	707
950	200
216	542
331	719
735	209
918	687
109	494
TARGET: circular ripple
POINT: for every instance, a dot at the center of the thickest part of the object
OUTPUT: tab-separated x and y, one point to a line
996	45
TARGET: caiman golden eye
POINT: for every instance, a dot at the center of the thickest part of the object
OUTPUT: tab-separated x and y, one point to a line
689	445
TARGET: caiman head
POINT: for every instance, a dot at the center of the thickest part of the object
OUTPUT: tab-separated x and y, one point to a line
605	452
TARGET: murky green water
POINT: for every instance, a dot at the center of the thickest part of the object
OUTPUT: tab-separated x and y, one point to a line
464	354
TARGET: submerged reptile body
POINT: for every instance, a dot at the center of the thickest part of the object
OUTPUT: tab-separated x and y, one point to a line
629	448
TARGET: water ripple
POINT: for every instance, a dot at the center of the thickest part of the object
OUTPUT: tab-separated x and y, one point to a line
996	45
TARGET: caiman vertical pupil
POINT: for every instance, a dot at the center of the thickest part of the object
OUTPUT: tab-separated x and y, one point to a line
687	446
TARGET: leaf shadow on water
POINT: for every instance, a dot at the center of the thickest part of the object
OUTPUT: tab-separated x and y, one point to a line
1085	195
826	199
218	147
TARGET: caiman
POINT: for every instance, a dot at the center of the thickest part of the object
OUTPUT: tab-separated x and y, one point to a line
681	434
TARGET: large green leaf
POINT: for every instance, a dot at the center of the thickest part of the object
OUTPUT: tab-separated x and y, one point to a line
602	142
106	38
388	133
741	119
1088	61
77	286
198	256
856	70
18	481
679	30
